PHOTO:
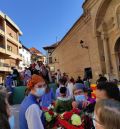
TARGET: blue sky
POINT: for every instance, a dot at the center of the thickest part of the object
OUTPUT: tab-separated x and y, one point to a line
41	21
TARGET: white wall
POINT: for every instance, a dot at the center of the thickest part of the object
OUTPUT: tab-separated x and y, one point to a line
26	58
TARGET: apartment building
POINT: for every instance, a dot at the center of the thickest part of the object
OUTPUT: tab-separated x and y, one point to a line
26	57
9	45
49	60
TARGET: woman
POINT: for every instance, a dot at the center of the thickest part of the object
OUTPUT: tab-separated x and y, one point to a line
71	87
47	98
107	114
63	103
82	100
31	116
6	120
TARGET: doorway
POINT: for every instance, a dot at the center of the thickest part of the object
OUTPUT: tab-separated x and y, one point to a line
117	51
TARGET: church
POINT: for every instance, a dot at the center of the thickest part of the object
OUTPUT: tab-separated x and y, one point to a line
92	46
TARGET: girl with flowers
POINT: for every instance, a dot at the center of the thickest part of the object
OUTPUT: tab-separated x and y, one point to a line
30	115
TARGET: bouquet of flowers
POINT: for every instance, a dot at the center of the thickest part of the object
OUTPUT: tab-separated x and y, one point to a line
71	120
50	117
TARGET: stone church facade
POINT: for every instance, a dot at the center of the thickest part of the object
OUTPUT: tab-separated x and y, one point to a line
93	42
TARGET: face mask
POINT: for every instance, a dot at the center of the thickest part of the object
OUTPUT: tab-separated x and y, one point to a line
79	98
11	122
40	92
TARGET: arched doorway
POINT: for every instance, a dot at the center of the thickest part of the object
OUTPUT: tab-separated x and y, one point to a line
117	51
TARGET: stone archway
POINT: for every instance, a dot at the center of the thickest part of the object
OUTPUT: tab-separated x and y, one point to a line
100	14
117	51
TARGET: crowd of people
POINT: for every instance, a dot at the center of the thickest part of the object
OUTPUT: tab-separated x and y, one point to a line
70	94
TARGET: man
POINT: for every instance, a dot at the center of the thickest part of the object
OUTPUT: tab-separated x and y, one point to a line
58	76
107	90
38	65
101	79
61	84
79	80
16	76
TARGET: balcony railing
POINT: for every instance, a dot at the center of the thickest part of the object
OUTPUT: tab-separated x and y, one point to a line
4	65
2	46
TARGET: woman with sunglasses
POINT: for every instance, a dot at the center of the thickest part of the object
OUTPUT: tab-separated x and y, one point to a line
107	114
31	116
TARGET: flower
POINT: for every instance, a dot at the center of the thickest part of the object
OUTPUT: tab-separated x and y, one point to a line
51	112
67	115
48	117
76	111
76	120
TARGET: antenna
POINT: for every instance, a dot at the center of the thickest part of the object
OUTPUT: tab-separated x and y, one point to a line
56	39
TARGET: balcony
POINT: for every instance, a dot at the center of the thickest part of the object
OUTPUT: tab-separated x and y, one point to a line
14	56
2	32
9	37
2	49
5	67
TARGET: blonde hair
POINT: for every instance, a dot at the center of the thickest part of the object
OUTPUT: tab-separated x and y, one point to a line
108	112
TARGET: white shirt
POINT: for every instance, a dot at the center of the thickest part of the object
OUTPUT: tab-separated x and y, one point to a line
28	73
37	67
33	117
71	87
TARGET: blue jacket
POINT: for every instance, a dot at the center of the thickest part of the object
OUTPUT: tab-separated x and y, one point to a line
8	83
28	101
47	98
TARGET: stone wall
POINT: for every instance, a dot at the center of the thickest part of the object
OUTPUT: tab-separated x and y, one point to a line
97	22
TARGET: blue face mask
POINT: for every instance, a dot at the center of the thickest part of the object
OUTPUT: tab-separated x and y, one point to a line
79	98
40	92
12	122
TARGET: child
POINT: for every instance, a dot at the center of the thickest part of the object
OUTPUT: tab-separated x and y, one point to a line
61	84
63	103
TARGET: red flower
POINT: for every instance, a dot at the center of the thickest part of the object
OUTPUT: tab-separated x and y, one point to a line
51	113
67	115
67	125
76	111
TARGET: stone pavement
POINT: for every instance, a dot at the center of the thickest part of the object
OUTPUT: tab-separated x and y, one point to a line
15	112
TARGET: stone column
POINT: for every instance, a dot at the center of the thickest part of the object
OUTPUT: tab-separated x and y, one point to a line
115	65
107	58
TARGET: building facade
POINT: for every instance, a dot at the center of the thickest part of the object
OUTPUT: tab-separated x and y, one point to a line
9	45
37	55
93	43
49	60
26	58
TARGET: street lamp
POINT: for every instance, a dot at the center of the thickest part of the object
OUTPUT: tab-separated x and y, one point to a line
82	43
